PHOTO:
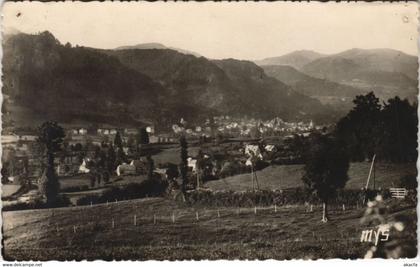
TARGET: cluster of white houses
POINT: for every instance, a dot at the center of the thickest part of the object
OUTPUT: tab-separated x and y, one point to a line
245	127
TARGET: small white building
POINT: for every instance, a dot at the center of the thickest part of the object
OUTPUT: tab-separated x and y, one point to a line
83	168
192	163
126	169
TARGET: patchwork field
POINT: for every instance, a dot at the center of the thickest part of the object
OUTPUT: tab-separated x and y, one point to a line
108	232
287	176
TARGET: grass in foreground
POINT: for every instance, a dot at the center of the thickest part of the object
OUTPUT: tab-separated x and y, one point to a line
108	232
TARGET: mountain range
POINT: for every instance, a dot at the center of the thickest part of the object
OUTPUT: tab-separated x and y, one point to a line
386	72
151	83
296	59
45	80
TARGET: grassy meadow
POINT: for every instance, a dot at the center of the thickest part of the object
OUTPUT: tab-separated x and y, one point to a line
288	176
108	232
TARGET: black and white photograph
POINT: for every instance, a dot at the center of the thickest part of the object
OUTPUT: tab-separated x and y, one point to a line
152	131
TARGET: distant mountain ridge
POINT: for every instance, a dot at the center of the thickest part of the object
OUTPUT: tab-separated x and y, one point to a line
157	46
296	59
387	72
337	95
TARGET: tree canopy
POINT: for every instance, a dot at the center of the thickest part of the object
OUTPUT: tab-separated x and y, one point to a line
388	130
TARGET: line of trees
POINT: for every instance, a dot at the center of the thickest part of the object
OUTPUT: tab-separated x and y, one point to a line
388	130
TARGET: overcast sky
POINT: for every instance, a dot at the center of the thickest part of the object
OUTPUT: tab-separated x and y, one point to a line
223	30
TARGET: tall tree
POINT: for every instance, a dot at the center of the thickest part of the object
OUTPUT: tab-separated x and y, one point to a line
118	141
325	170
142	137
150	167
183	166
361	128
50	135
399	135
111	159
120	154
200	168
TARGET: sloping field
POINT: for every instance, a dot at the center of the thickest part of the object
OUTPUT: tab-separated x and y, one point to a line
172	155
287	176
108	232
9	189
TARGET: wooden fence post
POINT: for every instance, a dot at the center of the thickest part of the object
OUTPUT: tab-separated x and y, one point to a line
135	220
255	209
196	215
344	207
74	229
275	208
173	217
218	214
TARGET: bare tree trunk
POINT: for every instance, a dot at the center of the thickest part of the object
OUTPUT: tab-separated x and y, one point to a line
324	212
198	179
252	175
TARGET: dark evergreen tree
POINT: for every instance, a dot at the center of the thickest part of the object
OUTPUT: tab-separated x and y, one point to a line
183	166
200	168
150	167
111	159
143	137
118	141
50	135
361	128
399	135
390	131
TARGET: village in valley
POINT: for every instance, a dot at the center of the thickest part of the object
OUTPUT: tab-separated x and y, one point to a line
83	145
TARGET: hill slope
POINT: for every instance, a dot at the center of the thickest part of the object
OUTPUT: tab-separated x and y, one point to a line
226	86
71	84
290	176
337	95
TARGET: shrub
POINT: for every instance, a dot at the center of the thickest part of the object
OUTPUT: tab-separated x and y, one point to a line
292	196
408	181
75	188
61	201
149	187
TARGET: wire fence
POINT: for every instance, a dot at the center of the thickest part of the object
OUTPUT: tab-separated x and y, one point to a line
213	219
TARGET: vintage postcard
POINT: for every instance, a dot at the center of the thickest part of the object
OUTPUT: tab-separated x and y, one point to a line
209	131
